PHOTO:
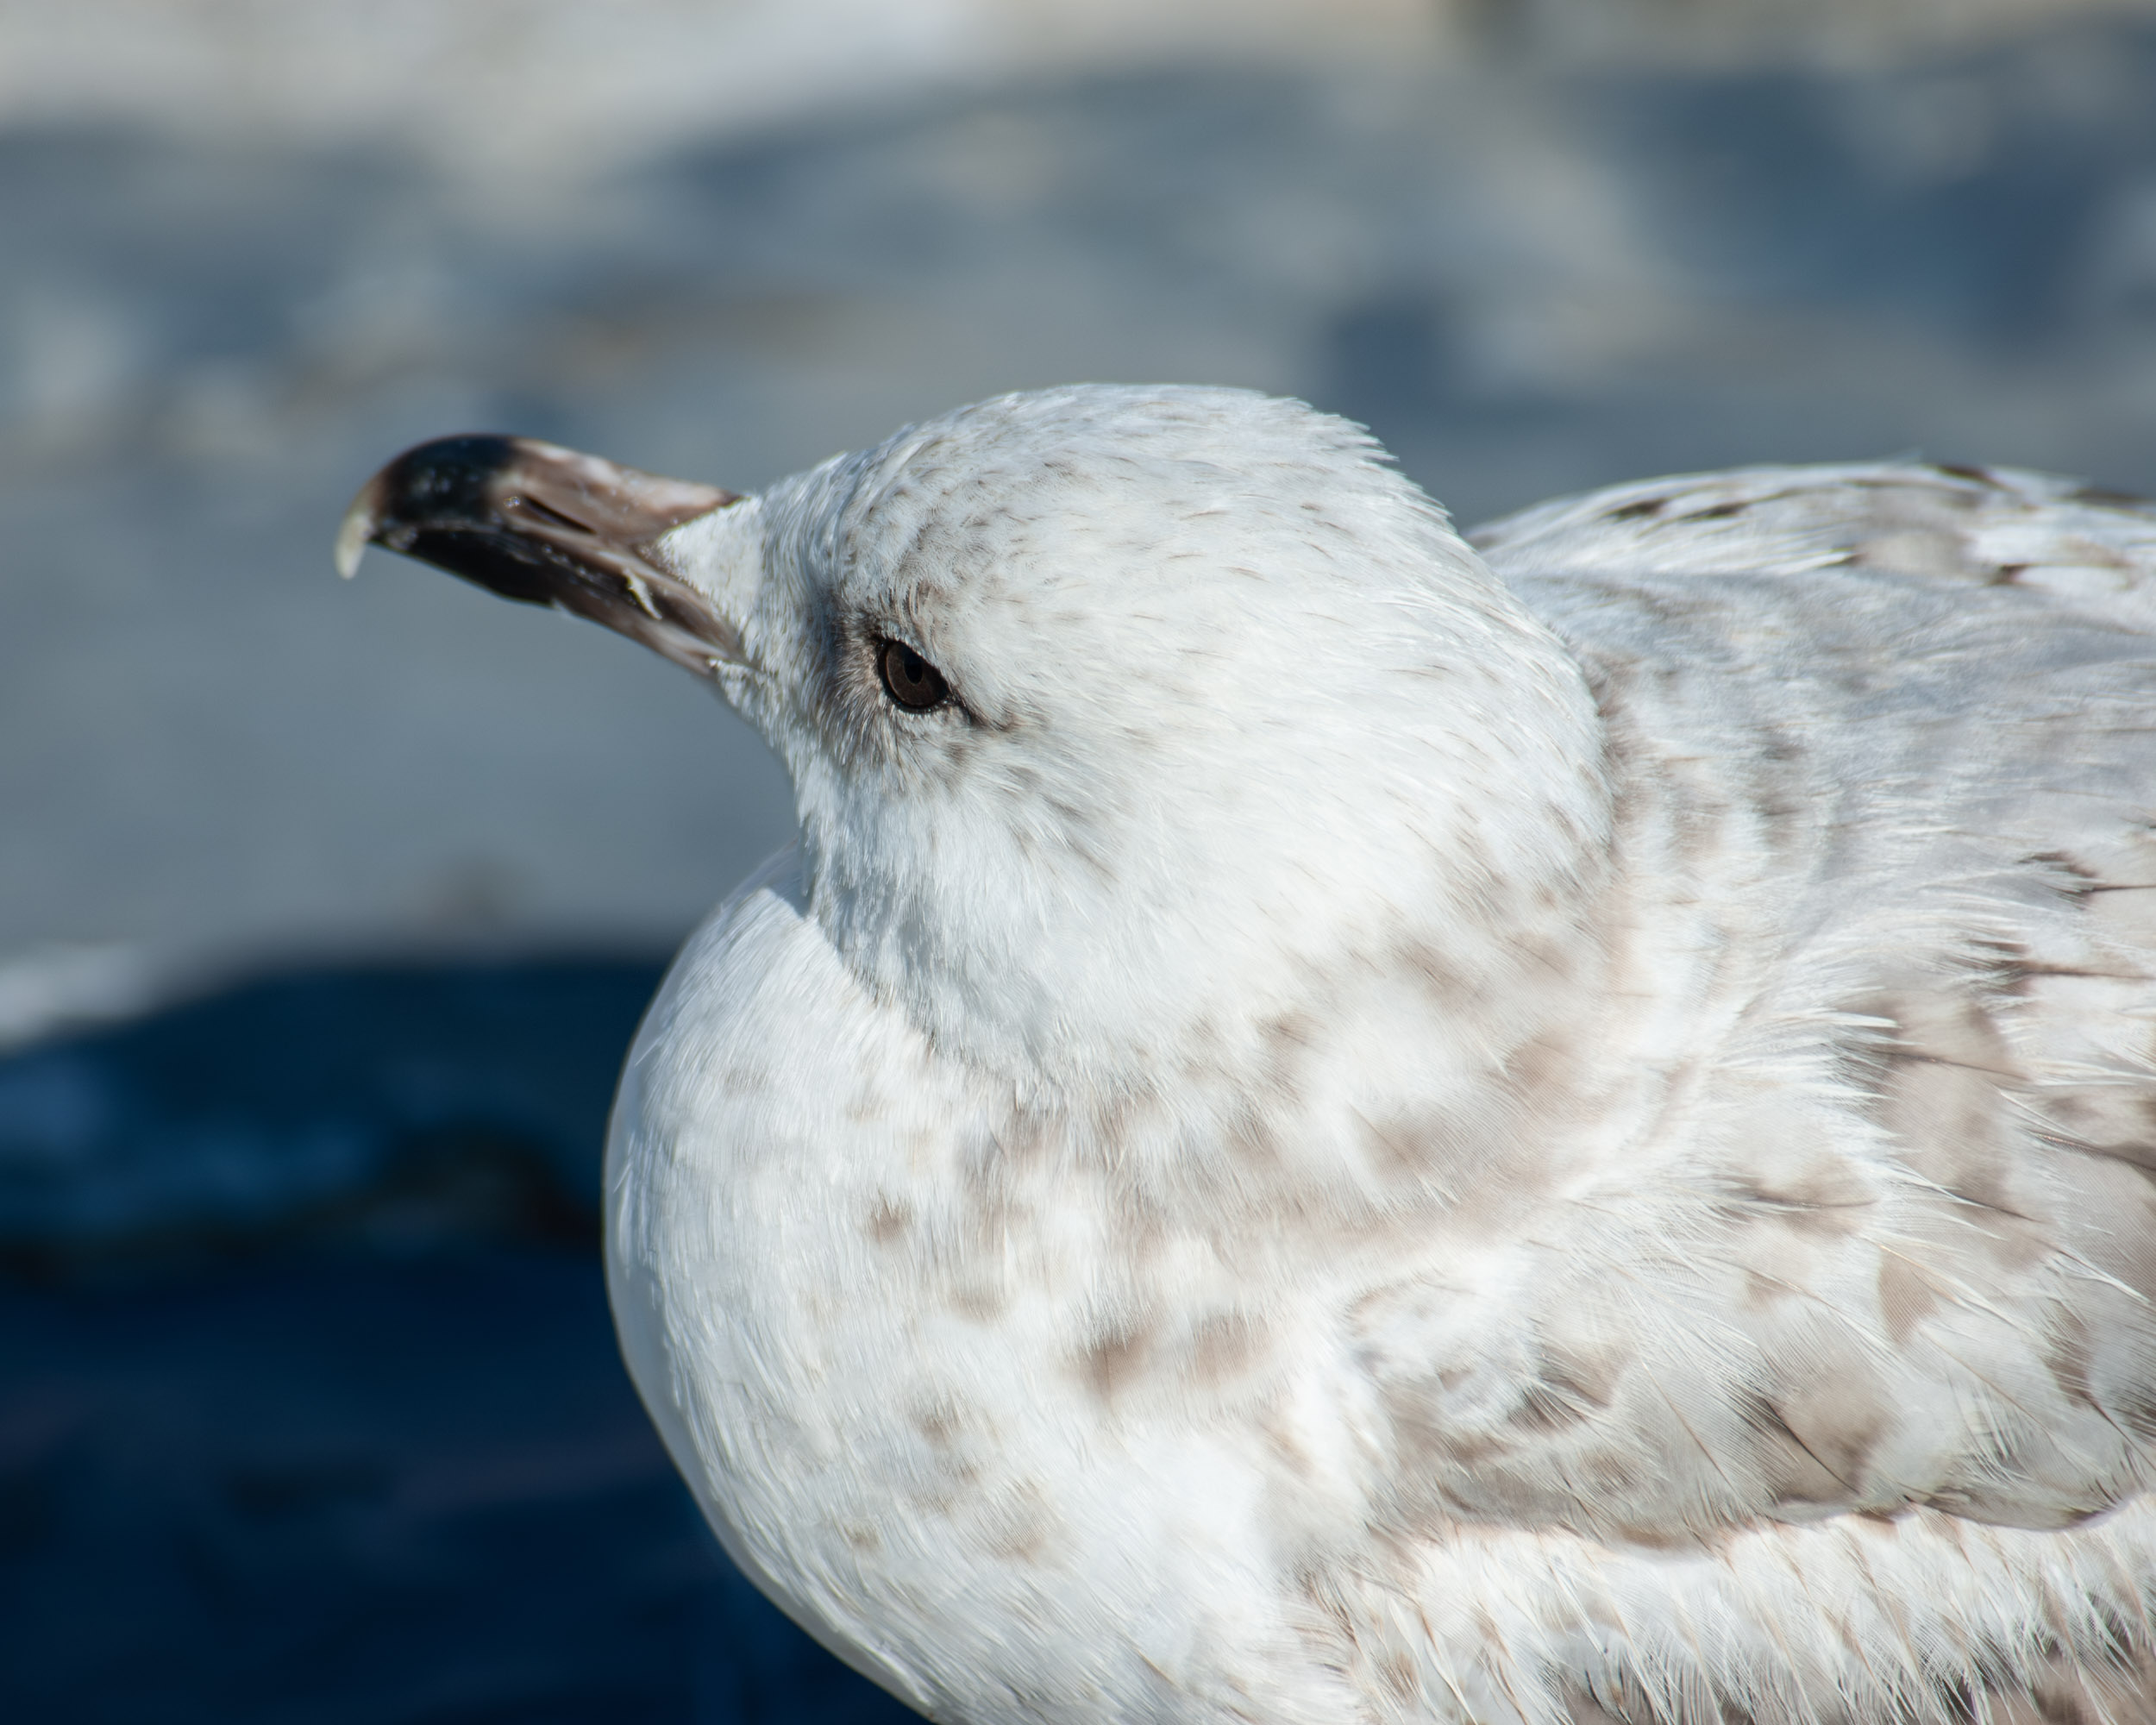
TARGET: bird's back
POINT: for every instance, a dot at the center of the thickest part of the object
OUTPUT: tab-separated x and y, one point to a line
1865	1306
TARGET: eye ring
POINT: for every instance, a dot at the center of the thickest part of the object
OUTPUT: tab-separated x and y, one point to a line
910	680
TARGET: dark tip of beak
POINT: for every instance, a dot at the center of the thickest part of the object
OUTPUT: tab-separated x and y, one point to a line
429	497
545	525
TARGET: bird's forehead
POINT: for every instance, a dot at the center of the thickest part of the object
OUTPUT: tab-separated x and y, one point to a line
1016	491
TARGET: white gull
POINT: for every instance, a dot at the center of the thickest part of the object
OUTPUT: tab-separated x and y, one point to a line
1332	1122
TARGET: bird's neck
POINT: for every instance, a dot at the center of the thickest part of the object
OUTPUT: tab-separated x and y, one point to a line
1456	1034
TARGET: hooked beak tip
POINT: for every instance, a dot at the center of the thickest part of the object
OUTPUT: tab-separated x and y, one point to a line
356	532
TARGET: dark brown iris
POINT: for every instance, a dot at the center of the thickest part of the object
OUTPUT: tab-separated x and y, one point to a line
910	680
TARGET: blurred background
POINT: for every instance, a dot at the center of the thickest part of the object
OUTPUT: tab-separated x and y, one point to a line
327	910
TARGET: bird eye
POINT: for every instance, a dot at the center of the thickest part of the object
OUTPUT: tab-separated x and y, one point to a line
910	680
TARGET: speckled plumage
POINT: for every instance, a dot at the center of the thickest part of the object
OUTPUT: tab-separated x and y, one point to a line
1362	1131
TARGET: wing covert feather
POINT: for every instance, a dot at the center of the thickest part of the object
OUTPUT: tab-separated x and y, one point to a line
1891	1243
2092	550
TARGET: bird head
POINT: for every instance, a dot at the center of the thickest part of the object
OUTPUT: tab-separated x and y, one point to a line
1123	722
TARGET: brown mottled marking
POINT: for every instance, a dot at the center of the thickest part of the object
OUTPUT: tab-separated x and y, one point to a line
888	1221
1025	1545
1437	974
1284	1443
1397	1146
938	1424
1947	1074
979	1301
1413	1143
1670	1539
2063	863
1839	1417
2067	1358
1634	512
1718	511
1947	1118
1422	1437
1793	1470
1399	1675
1906	1296
1956	470
1543	1063
1113	1359
1294	1031
1248	1133
1762	1293
745	1078
2115	1687
2011	1241
1609	1474
1828	1197
1020	1527
1548	1405
1951	1026
1586	1371
1223	1344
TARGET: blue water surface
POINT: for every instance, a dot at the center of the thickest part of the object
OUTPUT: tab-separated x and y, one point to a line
310	1406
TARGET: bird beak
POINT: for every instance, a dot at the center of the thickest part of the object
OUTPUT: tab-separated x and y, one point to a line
546	525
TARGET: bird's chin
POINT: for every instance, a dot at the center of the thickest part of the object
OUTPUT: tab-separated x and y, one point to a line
545	525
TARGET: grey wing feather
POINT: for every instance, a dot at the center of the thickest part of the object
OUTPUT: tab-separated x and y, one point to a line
1889	739
2091	550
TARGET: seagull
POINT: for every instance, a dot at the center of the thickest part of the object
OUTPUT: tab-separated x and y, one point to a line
1336	1123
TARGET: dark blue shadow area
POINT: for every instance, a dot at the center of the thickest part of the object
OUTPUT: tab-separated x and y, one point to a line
309	1406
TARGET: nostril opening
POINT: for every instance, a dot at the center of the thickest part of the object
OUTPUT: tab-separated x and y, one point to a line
531	505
